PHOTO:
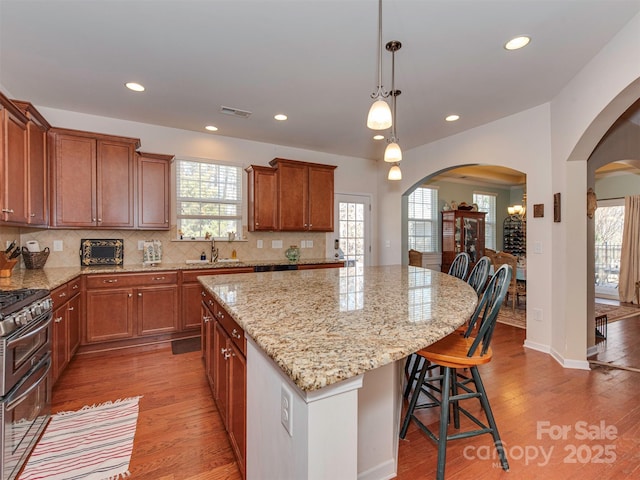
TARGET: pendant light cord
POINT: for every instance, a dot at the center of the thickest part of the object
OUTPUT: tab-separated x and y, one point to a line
379	92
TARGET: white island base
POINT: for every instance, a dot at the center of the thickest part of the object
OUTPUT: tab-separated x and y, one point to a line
346	431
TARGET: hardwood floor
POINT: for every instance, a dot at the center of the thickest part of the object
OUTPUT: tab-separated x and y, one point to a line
181	437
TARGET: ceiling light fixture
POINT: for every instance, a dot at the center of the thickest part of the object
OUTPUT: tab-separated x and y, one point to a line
379	117
395	173
211	128
517	43
393	153
378	137
452	118
136	87
281	117
519	211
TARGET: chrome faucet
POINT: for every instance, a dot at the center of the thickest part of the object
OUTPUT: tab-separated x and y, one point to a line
214	251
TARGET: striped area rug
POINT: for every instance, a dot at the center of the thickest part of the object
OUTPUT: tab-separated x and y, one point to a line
94	443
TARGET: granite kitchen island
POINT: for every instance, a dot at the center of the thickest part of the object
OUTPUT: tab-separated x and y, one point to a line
330	344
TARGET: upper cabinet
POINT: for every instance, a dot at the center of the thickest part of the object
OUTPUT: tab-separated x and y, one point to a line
92	179
262	196
36	184
305	195
13	164
153	172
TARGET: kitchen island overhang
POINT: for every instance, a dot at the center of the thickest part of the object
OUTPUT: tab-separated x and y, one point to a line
333	339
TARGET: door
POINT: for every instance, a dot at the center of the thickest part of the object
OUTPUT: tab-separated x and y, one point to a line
609	222
352	228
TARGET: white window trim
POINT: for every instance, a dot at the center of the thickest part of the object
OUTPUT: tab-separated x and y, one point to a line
435	244
495	222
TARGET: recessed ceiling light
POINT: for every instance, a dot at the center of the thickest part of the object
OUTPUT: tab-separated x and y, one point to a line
517	42
452	118
280	117
378	137
136	87
211	128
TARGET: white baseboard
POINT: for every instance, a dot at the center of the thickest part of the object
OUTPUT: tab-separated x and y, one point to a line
568	363
592	350
540	347
384	471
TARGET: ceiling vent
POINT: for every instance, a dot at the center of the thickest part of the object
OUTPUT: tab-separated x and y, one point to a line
235	112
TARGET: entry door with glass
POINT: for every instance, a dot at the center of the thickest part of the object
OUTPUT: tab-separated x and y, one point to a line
352	218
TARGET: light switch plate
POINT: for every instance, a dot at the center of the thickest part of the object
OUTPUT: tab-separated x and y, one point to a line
309	243
259	244
276	243
303	244
57	245
140	244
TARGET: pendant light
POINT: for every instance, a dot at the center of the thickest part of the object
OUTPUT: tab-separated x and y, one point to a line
393	153
379	117
395	173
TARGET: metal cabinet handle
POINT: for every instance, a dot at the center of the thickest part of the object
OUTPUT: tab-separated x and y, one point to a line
100	220
62	295
93	219
76	286
130	295
203	294
7	210
57	319
111	280
158	278
139	294
71	309
32	215
206	319
235	334
227	355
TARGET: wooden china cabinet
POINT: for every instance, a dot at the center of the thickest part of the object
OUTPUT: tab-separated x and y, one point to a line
462	231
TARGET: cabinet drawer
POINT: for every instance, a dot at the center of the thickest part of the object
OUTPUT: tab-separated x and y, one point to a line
60	295
192	275
231	327
207	299
131	280
74	286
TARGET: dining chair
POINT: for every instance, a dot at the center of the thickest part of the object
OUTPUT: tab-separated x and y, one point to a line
502	258
455	352
460	266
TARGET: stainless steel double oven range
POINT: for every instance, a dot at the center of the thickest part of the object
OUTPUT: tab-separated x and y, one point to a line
25	381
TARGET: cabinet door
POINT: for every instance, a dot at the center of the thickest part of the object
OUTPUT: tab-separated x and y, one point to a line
74	180
263	199
191	312
208	345
115	184
293	197
37	176
73	326
109	315
221	354
14	151
237	405
157	309
59	341
153	191
320	199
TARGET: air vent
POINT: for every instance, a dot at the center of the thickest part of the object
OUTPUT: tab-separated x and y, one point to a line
235	112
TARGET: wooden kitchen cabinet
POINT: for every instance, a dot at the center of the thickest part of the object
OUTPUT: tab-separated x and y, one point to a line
154	196
191	294
92	179
13	164
262	198
126	306
305	195
67	312
225	364
36	184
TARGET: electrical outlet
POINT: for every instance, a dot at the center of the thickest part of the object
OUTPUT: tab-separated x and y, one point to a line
537	314
259	244
286	410
276	243
303	244
140	244
309	243
57	245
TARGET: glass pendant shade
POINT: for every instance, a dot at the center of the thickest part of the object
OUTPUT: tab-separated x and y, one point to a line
392	153
395	173
379	117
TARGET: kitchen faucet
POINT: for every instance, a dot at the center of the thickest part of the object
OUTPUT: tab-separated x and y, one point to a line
214	251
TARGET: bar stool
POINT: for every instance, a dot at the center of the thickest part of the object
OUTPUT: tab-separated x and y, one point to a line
479	274
460	266
454	352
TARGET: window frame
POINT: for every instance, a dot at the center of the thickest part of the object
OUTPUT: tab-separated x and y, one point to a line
487	219
241	202
434	221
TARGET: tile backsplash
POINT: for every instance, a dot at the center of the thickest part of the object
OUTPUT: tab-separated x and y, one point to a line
174	251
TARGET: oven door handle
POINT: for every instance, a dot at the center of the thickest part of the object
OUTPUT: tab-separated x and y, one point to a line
32	333
11	402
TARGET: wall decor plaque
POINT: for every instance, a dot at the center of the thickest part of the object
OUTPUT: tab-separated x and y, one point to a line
108	251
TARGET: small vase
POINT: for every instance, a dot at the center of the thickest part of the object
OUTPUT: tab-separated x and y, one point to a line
292	253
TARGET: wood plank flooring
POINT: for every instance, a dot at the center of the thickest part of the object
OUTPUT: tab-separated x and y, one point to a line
181	437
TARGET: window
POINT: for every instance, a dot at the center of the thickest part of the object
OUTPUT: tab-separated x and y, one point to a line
423	219
208	199
487	203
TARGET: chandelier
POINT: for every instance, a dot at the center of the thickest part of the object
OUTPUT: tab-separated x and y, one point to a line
393	153
519	211
379	117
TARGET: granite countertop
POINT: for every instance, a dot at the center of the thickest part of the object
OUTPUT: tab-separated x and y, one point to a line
51	278
324	326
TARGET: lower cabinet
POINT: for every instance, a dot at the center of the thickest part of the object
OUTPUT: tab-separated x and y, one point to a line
225	365
66	325
125	306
